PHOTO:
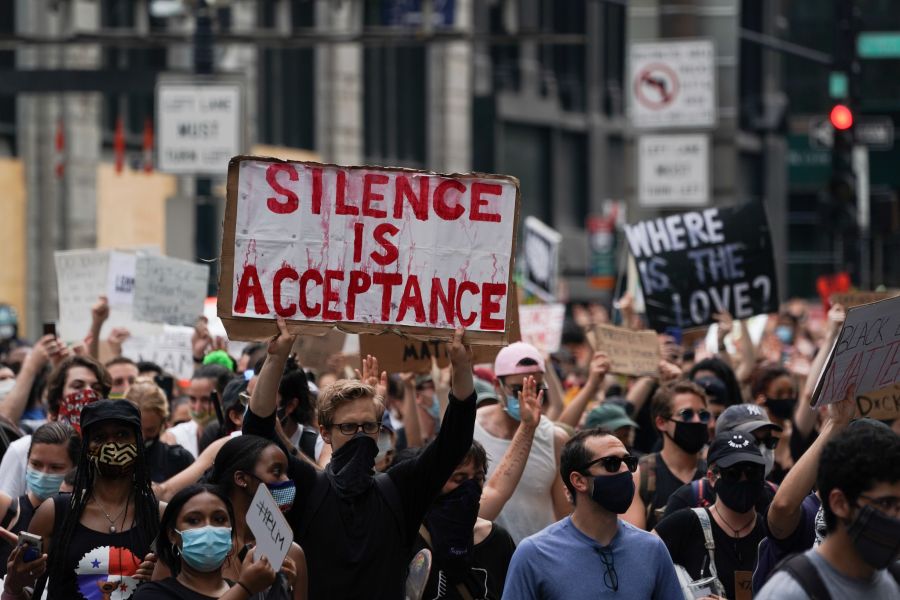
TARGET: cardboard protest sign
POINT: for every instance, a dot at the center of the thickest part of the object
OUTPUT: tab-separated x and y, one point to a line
170	348
82	276
169	290
865	356
313	351
542	325
696	264
371	249
630	352
852	299
271	530
540	259
883	404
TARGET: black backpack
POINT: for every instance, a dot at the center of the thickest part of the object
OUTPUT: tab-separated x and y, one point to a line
807	575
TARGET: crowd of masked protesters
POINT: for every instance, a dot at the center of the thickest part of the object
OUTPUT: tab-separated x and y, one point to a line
534	476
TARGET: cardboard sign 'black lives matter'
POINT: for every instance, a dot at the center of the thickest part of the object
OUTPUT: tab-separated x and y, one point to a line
696	264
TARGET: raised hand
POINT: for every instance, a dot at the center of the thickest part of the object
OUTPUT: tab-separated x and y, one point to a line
369	374
460	354
100	311
530	401
599	367
258	575
844	410
282	342
200	339
726	324
669	372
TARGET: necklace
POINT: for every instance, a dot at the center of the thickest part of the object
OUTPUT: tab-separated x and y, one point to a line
112	522
736	536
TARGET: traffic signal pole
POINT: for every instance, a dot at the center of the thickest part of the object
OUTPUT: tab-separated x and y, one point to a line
205	209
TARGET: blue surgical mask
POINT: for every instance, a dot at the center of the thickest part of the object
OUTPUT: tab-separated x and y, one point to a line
43	485
785	334
512	408
283	492
205	549
434	411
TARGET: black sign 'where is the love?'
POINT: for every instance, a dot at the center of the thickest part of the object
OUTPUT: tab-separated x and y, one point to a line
699	263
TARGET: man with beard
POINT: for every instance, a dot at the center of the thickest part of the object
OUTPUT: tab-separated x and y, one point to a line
680	415
357	528
592	553
859	483
721	541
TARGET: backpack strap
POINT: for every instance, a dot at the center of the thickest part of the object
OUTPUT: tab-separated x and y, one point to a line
710	545
461	588
313	503
11	513
806	575
647	464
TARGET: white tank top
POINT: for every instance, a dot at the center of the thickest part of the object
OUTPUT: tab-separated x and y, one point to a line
530	509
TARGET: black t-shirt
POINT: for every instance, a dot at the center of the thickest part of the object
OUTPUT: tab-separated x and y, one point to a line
355	548
683	535
165	461
490	561
167	589
688	496
666	485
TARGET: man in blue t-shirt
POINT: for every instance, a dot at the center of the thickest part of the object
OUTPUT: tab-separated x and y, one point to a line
593	553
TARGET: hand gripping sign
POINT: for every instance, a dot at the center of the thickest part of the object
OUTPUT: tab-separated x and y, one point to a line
369	248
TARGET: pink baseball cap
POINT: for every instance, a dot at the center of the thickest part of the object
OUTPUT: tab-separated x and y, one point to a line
508	359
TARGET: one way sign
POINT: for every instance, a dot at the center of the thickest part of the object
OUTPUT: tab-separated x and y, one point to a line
876	133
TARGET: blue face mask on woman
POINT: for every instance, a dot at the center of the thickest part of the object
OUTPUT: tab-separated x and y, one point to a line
205	549
43	485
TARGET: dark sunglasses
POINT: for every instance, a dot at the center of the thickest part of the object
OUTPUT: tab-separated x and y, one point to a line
517	389
770	441
612	463
687	415
733	474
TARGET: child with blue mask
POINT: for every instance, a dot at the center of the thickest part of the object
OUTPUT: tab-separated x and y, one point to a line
195	540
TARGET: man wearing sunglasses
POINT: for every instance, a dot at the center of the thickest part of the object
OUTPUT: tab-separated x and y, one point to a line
540	498
747	418
680	415
592	553
859	483
737	469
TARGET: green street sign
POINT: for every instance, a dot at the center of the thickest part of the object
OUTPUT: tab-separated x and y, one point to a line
837	85
878	44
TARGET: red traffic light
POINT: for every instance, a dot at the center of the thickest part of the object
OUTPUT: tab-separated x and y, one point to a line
841	117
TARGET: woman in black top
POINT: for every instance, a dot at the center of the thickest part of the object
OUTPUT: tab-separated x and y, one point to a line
53	453
96	539
196	558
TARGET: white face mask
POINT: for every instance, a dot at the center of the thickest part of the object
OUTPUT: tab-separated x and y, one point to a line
769	457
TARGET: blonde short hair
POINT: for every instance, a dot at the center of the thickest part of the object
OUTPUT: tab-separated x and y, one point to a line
146	395
343	391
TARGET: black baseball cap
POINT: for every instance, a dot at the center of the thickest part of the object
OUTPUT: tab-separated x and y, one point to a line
110	410
732	447
746	418
714	388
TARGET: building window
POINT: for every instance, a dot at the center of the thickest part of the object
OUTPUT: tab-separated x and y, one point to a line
526	155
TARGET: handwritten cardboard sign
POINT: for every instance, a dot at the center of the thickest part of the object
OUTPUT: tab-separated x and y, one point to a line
542	325
171	349
866	354
271	530
369	248
630	352
696	264
853	299
883	404
169	290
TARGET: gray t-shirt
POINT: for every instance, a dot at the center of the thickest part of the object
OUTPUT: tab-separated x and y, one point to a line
782	586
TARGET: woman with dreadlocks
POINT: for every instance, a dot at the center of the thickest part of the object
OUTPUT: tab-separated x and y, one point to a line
95	541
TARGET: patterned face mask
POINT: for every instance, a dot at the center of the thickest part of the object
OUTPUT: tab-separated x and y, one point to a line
71	405
114	460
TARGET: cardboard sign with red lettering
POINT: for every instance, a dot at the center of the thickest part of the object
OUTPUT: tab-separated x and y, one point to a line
542	325
865	356
370	249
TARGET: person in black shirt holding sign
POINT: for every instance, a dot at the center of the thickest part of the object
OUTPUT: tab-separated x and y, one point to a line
732	523
357	529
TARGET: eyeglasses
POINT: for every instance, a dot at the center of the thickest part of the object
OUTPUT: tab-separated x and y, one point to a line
732	474
886	504
368	427
770	441
687	415
610	578
612	463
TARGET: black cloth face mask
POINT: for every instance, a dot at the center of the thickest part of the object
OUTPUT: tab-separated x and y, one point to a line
875	536
352	467
451	521
690	437
739	496
783	408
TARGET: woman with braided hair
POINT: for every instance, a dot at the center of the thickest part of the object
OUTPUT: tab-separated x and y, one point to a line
96	539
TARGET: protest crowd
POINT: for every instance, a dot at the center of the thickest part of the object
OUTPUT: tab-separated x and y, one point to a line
666	452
